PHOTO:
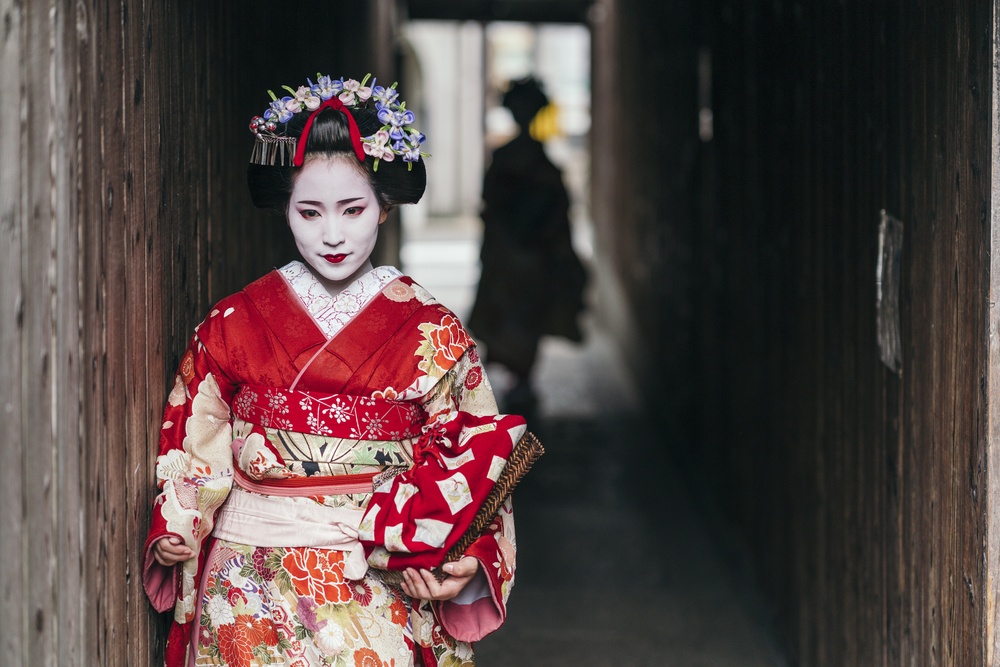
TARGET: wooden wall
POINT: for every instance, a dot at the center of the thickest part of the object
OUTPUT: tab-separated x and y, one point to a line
643	190
861	494
123	216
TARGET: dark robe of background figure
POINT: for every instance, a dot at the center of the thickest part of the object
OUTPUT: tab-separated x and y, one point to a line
532	281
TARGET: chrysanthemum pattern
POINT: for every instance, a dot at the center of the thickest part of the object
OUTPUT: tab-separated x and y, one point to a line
292	606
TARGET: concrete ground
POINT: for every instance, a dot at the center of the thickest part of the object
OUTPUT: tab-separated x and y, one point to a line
615	565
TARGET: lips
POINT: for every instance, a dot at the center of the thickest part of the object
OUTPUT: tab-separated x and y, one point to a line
335	259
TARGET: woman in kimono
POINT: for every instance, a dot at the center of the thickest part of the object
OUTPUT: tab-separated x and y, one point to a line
330	426
532	281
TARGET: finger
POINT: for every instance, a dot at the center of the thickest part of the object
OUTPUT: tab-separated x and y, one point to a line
417	585
175	550
166	559
429	583
466	567
446	589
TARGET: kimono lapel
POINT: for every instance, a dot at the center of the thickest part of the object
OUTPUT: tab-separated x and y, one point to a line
284	315
328	340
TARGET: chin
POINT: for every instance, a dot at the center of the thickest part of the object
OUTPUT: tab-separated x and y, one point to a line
336	273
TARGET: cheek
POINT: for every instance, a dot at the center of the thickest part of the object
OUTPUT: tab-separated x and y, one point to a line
367	233
301	233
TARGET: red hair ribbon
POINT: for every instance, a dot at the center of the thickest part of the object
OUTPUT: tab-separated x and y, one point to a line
336	105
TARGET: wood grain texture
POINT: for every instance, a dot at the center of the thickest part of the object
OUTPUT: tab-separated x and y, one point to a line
12	616
992	488
123	216
860	494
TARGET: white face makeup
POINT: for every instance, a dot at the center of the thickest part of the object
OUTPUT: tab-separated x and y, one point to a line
334	216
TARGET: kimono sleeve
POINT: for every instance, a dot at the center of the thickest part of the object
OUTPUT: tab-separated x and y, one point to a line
481	607
416	529
193	474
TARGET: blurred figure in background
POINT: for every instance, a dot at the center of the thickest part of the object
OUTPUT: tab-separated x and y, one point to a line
532	281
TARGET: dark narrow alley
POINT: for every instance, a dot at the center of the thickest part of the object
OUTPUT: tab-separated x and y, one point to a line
619	566
780	442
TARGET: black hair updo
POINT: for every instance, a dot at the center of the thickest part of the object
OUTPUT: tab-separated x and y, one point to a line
394	183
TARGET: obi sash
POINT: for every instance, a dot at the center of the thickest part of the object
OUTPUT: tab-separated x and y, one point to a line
278	521
323	413
416	516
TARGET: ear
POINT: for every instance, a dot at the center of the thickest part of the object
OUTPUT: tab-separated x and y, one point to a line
383	215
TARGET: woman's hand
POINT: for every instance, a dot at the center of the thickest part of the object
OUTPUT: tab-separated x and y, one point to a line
171	550
423	585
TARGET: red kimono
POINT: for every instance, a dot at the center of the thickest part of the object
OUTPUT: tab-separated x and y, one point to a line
310	443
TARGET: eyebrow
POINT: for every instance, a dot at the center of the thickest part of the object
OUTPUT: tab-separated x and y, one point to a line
319	203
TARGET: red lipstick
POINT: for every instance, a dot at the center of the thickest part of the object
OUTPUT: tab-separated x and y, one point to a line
335	259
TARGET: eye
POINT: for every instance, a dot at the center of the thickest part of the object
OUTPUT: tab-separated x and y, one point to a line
309	213
353	210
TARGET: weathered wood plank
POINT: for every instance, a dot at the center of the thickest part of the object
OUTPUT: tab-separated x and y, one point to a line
109	39
13	641
68	613
137	223
37	376
990	592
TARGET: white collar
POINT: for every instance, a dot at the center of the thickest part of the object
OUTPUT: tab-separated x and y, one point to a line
332	314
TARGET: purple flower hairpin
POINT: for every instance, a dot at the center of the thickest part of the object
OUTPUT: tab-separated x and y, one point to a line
396	137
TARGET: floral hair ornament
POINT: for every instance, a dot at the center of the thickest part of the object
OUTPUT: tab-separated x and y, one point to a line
396	137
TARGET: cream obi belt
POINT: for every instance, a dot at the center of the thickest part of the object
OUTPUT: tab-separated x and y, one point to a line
275	521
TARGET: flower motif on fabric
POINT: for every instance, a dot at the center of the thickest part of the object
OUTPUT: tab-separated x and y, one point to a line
399	612
443	344
361	592
387	394
423	296
220	611
339	410
209	425
374	425
317	573
316	426
234	645
173	464
474	377
399	292
277	402
330	639
366	657
178	395
245	400
187	367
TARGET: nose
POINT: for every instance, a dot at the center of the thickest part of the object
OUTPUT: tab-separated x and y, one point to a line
333	232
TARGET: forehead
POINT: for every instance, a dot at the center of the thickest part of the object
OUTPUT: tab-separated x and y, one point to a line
331	178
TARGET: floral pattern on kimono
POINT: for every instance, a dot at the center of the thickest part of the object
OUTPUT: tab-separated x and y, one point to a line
385	338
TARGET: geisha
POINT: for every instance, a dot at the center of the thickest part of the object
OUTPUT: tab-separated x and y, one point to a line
331	432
